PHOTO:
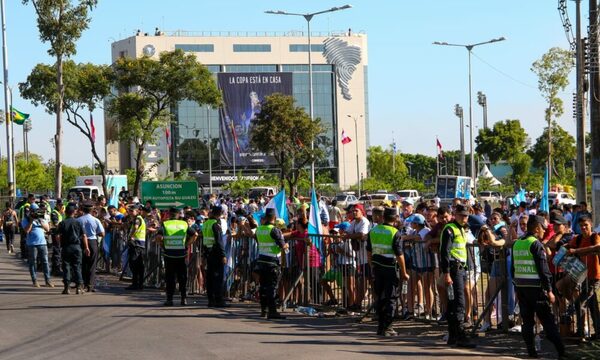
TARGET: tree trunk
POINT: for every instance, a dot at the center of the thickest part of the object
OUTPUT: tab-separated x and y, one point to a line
102	168
58	135
139	169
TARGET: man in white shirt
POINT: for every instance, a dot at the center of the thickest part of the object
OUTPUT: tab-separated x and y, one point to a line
359	229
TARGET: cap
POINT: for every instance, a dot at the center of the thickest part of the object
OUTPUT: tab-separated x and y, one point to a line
34	206
280	224
559	220
173	210
417	219
461	210
536	219
344	226
387	212
408	201
270	212
360	207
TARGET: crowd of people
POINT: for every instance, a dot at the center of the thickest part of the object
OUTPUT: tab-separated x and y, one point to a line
397	261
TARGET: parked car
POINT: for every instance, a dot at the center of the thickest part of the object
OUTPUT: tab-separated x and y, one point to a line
561	198
493	197
409	194
428	197
343	200
380	199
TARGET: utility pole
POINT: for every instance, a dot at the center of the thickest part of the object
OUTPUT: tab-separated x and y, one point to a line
579	61
594	109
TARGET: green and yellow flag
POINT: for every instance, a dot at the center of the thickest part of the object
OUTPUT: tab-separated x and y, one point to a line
17	116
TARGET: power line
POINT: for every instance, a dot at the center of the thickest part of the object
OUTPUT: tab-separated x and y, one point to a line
503	73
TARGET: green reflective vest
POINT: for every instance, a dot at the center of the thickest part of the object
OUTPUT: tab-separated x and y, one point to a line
22	210
58	216
175	233
382	238
207	233
526	274
458	249
266	244
140	233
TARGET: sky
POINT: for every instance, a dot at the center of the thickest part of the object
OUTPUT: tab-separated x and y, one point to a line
413	85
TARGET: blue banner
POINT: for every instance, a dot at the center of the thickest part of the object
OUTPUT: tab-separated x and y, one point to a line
242	97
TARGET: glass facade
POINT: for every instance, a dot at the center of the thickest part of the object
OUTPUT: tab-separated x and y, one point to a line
196	47
304	47
251	47
199	125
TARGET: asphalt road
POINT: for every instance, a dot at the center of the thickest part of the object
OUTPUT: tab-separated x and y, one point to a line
40	323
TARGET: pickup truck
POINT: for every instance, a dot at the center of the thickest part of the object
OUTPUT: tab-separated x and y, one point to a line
409	195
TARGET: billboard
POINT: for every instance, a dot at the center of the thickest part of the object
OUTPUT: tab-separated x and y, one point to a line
242	96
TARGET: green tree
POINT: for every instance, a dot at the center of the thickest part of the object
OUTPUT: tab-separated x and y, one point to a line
61	24
504	141
553	70
85	85
382	170
32	175
285	131
148	90
562	161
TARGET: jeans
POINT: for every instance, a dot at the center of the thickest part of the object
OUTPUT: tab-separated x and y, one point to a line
456	307
33	252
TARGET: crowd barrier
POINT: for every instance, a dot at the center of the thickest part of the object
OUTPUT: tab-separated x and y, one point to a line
333	277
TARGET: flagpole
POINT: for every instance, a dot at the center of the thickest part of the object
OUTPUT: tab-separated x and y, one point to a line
7	111
233	155
393	154
344	157
437	158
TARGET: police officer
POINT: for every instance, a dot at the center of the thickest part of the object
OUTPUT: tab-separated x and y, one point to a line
175	236
136	248
270	243
533	282
384	249
213	249
93	229
71	235
56	216
453	263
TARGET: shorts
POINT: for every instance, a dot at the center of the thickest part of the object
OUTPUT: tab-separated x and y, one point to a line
334	275
473	276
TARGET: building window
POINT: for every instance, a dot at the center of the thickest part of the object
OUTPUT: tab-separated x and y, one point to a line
251	47
304	47
250	68
304	68
196	47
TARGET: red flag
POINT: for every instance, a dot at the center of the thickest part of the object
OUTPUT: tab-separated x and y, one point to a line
439	148
345	138
235	139
93	128
168	137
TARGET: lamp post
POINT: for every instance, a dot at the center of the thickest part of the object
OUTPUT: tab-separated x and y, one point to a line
482	100
308	17
469	48
26	129
356	142
210	183
458	111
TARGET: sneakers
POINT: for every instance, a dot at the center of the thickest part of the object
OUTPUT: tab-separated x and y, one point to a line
66	291
485	327
49	284
79	290
390	332
36	284
263	313
183	302
168	303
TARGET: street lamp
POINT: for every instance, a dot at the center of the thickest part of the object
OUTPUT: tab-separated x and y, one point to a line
469	48
410	164
458	111
26	129
308	17
482	100
356	142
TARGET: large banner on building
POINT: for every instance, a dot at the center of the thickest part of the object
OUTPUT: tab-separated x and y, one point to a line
242	96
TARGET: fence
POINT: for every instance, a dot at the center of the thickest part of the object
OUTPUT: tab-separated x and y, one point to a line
334	276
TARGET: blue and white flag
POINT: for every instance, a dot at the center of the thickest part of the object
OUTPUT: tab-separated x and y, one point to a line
314	220
545	206
278	202
520	197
